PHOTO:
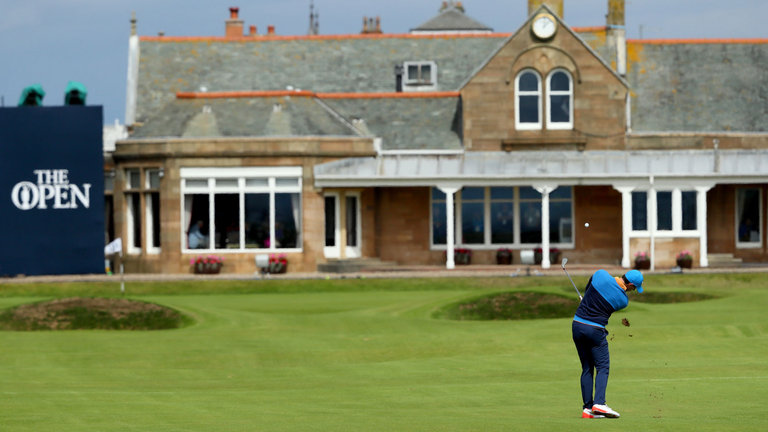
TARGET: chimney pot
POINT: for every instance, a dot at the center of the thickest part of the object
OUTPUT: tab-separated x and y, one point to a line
233	26
252	30
271	30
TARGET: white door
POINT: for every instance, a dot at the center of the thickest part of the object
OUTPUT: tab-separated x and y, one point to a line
342	211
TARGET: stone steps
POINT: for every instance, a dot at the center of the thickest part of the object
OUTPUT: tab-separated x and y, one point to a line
723	260
355	265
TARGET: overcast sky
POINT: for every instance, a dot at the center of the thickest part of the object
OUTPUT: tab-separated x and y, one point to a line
51	42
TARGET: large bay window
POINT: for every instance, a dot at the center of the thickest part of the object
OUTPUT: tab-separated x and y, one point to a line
241	208
503	216
676	211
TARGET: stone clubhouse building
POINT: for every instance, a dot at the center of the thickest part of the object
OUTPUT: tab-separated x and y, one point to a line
416	148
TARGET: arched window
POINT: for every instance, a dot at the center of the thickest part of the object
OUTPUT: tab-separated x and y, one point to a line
528	100
560	101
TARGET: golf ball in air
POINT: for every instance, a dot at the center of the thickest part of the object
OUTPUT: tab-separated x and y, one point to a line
586	224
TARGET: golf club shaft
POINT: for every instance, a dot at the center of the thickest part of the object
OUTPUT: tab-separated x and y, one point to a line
572	283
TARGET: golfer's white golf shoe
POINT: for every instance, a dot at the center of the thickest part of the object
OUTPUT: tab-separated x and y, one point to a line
605	410
587	413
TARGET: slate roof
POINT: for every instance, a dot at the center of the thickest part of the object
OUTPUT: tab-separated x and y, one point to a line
353	63
699	86
706	86
452	19
238	117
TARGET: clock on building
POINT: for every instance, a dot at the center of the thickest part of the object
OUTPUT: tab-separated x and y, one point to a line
544	26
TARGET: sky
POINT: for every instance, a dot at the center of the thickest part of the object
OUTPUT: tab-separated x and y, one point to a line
52	42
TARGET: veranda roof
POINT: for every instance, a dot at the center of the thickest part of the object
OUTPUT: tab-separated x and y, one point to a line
667	168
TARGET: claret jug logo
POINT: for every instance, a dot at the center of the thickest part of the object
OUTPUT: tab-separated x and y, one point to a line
52	190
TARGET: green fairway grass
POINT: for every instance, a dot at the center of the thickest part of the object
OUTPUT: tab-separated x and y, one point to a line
367	355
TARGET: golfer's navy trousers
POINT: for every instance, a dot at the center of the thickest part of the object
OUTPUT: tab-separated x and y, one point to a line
592	347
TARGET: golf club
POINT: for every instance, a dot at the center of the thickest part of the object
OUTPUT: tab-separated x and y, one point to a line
565	260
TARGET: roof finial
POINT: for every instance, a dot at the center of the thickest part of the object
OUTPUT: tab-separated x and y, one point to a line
133	23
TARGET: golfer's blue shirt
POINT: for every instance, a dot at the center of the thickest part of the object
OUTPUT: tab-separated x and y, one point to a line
602	297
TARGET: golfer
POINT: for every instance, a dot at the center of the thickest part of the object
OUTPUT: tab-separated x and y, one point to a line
604	295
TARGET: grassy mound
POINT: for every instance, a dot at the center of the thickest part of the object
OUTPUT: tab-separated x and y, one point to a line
670	297
79	313
510	306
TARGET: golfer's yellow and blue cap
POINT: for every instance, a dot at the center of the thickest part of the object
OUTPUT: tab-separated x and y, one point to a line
635	278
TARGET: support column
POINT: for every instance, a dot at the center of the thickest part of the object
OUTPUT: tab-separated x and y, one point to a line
701	223
450	230
652	223
545	190
626	222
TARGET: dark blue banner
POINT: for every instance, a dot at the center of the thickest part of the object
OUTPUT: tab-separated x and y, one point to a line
51	190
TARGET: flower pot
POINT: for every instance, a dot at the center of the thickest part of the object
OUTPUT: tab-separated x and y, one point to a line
685	262
504	258
462	258
642	264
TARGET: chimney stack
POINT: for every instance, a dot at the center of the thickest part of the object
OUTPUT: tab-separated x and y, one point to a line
616	34
234	25
555	5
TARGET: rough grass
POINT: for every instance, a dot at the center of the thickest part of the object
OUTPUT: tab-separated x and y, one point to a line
91	313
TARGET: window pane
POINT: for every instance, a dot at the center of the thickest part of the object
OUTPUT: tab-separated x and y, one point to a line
133	179
439	232
689	210
196	213
330	221
528	82
664	211
639	211
154	202
287	182
413	72
529	109
437	194
351	220
560	108
472	193
748	212
134	210
559	82
227	217
502	222
562	192
153	179
257	182
196	183
530	222
528	192
472	223
109	181
502	193
560	225
426	73
257	220
287	220
226	182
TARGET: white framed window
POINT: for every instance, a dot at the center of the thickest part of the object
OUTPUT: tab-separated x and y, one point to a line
528	100
142	203
509	216
676	212
419	76
749	218
236	209
559	100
